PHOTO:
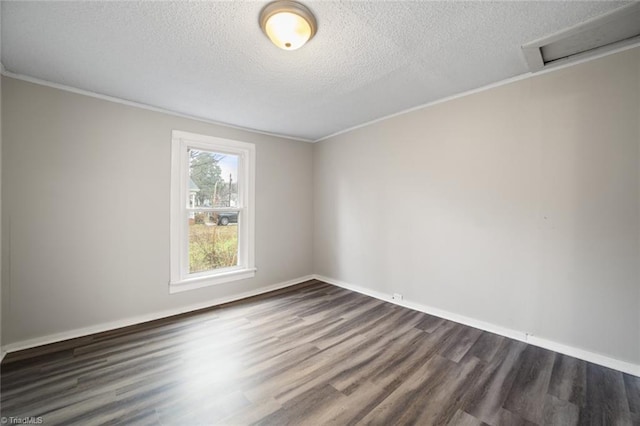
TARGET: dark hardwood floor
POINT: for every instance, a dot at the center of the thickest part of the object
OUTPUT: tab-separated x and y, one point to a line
310	355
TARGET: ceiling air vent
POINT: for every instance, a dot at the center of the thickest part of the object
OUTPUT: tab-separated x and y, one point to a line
617	29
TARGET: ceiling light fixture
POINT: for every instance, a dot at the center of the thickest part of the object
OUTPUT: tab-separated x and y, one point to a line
288	24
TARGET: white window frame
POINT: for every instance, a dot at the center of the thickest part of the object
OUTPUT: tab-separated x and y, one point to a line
181	279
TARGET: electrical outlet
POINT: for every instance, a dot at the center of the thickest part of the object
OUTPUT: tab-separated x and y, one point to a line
396	296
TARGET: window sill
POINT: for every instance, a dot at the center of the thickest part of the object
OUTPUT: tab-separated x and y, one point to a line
210	280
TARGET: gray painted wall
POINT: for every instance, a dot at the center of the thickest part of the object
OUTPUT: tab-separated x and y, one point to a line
517	206
86	211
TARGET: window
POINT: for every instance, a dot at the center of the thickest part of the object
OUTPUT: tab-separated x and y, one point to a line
212	219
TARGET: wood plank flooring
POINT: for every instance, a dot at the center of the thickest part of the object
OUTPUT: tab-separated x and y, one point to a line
310	355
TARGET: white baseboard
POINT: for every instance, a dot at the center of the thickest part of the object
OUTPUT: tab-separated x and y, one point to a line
585	355
99	328
596	358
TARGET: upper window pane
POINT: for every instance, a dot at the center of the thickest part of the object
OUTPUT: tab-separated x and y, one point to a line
213	179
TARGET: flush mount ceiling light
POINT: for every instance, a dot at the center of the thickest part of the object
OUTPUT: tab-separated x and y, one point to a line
288	24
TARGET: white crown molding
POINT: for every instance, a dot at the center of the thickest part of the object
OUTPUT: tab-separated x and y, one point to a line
596	358
114	99
99	328
579	59
552	68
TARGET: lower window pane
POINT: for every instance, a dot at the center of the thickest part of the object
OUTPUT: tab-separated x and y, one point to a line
213	241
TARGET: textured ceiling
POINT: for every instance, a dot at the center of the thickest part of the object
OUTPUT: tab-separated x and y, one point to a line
210	60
